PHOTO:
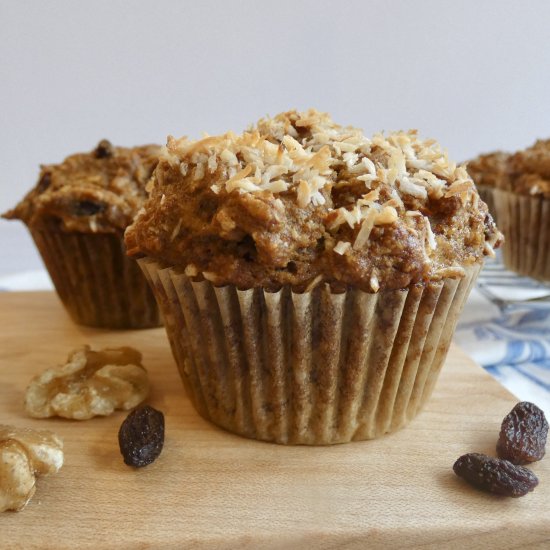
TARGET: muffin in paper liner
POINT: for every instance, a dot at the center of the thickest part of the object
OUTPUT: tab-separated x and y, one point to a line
97	283
77	214
314	368
525	221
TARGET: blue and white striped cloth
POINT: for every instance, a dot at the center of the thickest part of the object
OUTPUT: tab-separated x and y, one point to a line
505	327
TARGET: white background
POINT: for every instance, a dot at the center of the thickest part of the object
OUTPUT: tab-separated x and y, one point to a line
473	74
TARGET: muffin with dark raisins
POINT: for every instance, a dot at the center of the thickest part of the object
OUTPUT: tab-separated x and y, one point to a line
77	214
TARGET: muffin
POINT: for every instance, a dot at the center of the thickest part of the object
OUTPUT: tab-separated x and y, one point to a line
310	278
489	171
522	203
77	214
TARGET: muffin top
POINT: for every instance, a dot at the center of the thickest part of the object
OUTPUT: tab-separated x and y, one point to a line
530	170
95	192
526	172
298	200
489	169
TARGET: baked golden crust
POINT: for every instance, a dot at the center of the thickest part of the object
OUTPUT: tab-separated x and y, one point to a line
530	170
96	192
298	199
526	172
489	169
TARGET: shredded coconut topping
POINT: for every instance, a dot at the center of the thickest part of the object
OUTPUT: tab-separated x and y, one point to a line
342	247
297	195
273	157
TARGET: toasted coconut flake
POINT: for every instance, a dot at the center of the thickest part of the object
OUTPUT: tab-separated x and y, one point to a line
277	186
366	228
169	157
313	283
374	283
274	171
175	231
279	205
303	194
432	243
459	188
352	217
369	165
372	196
338	219
367	178
199	172
342	247
239	175
346	147
350	159
394	203
317	199
212	164
410	188
229	157
397	162
245	184
320	160
184	169
191	270
387	215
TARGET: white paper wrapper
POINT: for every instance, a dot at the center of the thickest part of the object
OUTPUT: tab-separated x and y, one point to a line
486	195
97	283
314	368
525	222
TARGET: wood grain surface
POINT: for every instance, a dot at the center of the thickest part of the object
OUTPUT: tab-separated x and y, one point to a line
211	489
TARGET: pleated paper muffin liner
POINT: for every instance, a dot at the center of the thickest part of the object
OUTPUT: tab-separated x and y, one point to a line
525	222
97	283
486	194
314	368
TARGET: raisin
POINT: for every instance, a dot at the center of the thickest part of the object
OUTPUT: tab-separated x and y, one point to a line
141	436
44	182
292	267
104	149
495	475
87	208
523	434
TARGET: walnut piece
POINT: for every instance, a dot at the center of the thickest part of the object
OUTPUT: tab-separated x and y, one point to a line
92	383
24	454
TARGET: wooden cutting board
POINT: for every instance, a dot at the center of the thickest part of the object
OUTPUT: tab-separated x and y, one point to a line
211	489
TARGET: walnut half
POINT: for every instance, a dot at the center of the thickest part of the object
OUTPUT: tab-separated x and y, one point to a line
92	383
24	454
